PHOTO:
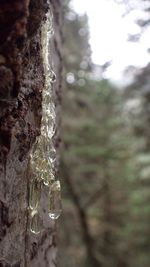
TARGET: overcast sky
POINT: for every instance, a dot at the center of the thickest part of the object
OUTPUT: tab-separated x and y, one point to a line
109	32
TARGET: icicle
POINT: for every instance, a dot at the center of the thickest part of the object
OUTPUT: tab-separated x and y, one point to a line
54	204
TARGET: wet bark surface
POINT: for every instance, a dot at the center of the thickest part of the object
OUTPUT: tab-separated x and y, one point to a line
21	85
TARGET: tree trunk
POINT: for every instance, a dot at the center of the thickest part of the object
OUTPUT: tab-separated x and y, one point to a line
21	84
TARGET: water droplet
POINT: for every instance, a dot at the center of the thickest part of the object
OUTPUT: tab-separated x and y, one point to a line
34	196
36	223
52	76
55	208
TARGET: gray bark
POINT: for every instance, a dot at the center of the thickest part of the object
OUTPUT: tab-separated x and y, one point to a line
21	84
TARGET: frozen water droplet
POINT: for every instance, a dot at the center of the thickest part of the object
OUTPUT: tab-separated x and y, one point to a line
52	76
55	208
34	196
36	223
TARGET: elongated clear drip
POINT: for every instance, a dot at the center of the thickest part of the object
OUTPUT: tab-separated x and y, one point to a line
43	154
36	223
54	203
35	194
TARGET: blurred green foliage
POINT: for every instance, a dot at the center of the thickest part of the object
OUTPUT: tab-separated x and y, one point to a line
104	163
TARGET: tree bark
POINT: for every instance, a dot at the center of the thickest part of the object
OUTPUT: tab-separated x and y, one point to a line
21	85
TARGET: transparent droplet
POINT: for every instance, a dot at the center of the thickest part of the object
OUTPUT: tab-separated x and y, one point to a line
54	203
34	195
52	76
36	223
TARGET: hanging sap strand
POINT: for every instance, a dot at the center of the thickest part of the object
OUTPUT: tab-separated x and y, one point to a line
54	204
43	155
36	222
35	193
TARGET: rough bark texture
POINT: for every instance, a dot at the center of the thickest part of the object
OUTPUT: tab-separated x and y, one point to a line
21	84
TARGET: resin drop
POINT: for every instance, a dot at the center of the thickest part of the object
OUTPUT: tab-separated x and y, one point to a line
35	192
55	208
36	223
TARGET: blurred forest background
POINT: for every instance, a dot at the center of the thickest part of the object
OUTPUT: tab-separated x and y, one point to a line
105	159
